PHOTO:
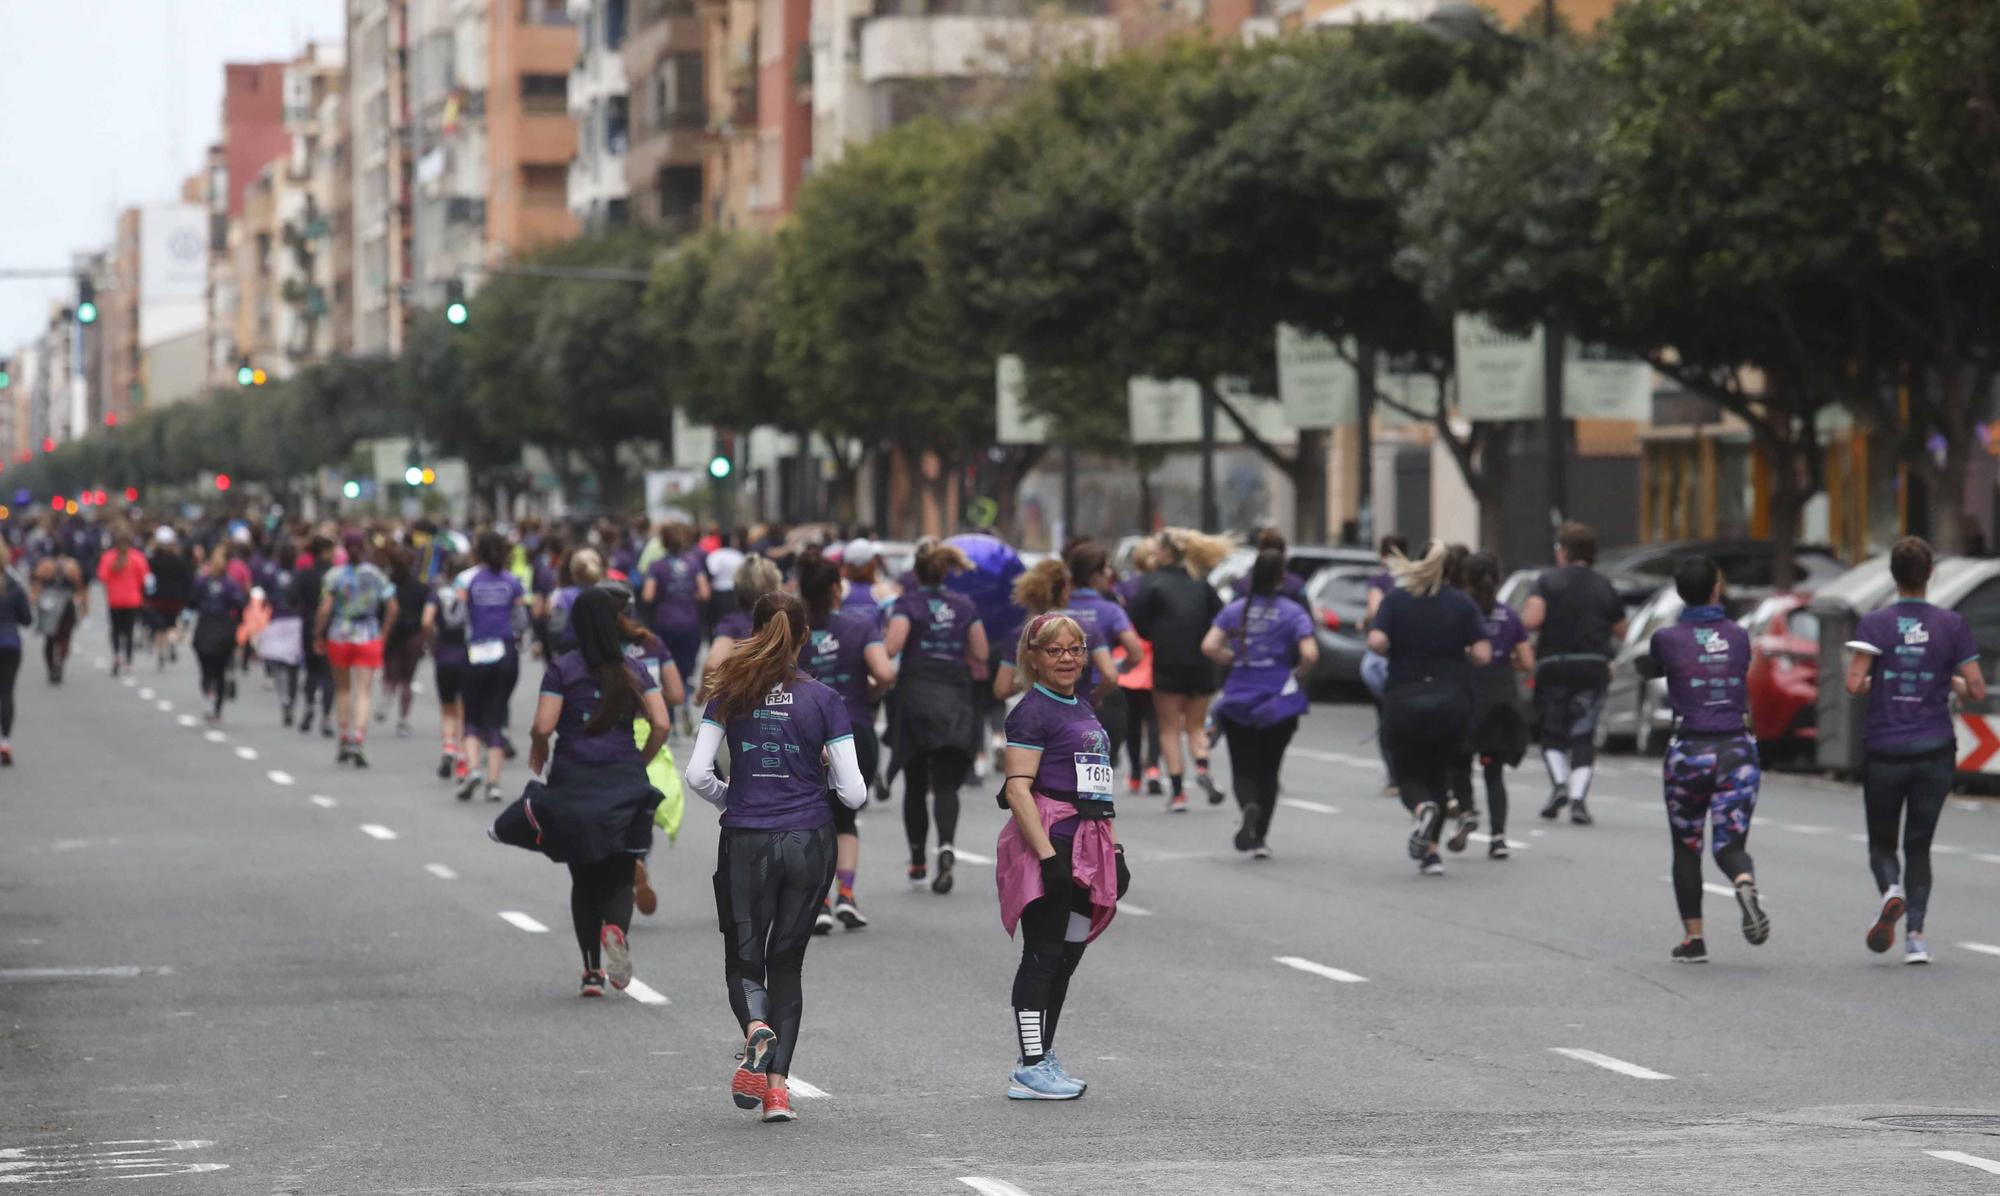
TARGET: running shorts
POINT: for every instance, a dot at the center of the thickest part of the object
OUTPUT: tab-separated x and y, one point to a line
450	681
365	655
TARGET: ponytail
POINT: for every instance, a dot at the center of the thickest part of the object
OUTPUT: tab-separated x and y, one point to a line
768	659
937	560
600	640
1425	576
1045	587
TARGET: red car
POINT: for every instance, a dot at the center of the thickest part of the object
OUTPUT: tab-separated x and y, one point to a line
1784	669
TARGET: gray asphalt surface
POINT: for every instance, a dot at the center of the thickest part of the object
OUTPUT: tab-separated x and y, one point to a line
213	979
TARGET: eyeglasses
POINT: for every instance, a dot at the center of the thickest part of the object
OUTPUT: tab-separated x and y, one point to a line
1075	653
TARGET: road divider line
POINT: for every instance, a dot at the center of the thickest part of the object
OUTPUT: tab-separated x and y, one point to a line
1313	807
990	1187
127	682
441	871
215	737
246	753
164	706
1970	1160
521	921
323	801
1610	1064
1982	948
1984	858
145	695
1946	849
646	994
1802	828
279	776
376	830
187	720
809	1091
967	857
1319	969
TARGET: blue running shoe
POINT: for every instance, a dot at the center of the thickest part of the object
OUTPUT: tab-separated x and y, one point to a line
1082	1086
1043	1081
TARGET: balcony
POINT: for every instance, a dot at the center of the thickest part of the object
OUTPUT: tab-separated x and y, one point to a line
962	47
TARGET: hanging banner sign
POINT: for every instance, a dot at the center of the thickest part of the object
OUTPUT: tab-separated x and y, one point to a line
1316	385
1599	383
1500	376
1165	411
1011	421
1265	415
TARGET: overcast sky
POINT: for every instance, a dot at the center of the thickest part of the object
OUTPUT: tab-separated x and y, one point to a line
109	103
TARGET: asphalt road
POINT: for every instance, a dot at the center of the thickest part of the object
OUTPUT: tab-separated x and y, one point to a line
228	966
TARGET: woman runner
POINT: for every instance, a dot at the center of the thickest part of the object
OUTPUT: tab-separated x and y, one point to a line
1046	589
674	592
349	632
942	642
173	581
444	627
308	588
789	741
218	603
844	652
754	578
1173	611
1909	658
1142	729
61	598
15	613
403	638
492	595
583	569
123	571
1428	631
595	812
1266	642
1499	727
642	646
1711	768
1059	868
1105	626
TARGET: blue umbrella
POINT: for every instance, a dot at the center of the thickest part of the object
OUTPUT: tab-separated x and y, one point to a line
990	585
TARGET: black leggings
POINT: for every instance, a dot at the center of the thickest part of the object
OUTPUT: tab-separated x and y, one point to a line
1256	754
1424	726
1890	786
940	773
600	895
55	646
123	620
1142	731
1048	960
319	679
867	750
768	886
215	675
10	668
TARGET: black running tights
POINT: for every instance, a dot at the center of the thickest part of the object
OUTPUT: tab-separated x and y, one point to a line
1496	790
123	621
768	886
1048	959
600	894
1256	754
1142	731
319	679
1904	797
10	668
940	773
215	675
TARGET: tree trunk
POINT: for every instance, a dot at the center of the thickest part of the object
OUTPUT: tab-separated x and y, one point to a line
1490	485
1311	488
1787	500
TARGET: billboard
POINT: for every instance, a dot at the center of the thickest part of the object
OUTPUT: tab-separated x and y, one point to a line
173	271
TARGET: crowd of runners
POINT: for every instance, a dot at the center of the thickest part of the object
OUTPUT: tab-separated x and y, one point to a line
799	676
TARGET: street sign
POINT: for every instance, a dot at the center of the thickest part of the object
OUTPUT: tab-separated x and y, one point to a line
1164	411
1316	385
1011	421
1500	376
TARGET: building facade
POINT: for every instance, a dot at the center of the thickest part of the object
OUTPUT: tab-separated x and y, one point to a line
667	113
379	157
530	138
600	105
449	69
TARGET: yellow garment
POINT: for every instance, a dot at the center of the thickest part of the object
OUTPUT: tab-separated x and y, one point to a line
666	777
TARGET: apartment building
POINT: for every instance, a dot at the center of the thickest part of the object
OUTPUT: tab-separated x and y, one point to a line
729	39
600	105
379	158
667	73
530	138
450	63
308	197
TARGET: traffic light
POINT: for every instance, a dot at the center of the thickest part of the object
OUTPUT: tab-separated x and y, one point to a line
86	300
455	310
48	444
222	481
413	476
131	494
720	466
244	374
350	489
6	373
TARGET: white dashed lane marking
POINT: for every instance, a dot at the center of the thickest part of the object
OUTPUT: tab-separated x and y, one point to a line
1610	1064
1981	948
323	801
145	695
215	737
801	1088
280	777
646	994
967	857
990	1187
246	753
164	706
1126	907
1970	1160
376	830
519	920
1311	807
1319	969
187	720
441	871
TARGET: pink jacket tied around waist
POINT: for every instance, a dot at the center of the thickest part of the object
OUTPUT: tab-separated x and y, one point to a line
1018	871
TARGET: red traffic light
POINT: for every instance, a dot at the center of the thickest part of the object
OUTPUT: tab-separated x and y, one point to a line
111	419
85	498
48	444
222	481
131	494
57	502
102	498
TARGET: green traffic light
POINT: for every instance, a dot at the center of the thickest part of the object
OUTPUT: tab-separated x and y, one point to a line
86	312
455	313
6	379
244	375
719	467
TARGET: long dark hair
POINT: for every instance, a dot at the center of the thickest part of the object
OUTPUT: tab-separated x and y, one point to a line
819	585
760	664
492	551
1266	573
601	641
1086	559
1482	580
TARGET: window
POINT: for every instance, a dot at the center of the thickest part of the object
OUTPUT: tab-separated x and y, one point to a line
544	186
1981	611
617	125
614	24
680	194
545	94
544	12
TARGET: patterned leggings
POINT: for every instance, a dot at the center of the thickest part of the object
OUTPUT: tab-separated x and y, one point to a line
1712	780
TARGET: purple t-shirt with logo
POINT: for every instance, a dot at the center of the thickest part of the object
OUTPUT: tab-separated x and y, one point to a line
1102	621
649	652
1076	753
1506	632
674	604
777	780
1706	658
568	678
832	655
1909	702
940	620
490	598
1261	689
860	600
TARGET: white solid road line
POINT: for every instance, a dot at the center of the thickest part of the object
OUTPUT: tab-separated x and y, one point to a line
1609	1064
441	871
1987	859
1970	1160
1982	948
376	830
280	777
809	1091
516	918
1800	828
1299	803
990	1187
1319	969
323	801
967	857
646	994
246	753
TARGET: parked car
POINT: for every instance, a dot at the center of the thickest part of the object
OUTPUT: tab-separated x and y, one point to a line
1784	670
1304	560
1636	710
1337	600
1747	565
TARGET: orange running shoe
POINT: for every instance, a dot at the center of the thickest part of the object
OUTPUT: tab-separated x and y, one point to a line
752	1079
778	1105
